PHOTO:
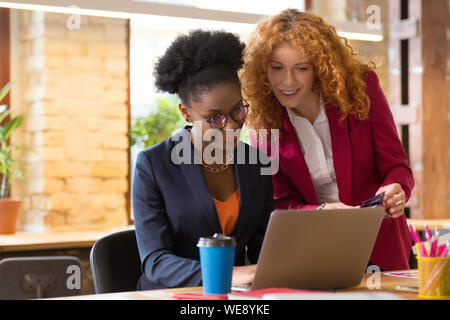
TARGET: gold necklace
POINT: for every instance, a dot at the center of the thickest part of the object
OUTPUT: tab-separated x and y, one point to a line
221	168
216	170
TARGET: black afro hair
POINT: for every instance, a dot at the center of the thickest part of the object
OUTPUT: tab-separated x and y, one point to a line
197	62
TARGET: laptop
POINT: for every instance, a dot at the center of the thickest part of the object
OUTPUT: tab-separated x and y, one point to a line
317	249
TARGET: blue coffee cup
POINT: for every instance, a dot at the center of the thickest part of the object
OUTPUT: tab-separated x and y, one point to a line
217	261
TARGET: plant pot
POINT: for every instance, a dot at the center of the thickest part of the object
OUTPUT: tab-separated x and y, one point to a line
9	209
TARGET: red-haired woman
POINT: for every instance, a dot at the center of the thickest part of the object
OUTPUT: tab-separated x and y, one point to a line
338	142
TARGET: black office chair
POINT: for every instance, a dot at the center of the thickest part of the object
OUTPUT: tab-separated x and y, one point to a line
40	277
115	262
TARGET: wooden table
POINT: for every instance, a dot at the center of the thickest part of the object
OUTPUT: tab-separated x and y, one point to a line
78	244
25	241
387	284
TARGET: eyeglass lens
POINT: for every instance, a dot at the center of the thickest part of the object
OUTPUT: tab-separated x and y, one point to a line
219	121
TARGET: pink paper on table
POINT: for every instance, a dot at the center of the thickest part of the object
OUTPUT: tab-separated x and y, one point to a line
411	274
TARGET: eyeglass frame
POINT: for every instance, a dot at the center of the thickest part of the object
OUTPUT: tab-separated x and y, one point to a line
210	119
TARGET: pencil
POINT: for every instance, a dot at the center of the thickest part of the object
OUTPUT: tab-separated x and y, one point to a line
428	232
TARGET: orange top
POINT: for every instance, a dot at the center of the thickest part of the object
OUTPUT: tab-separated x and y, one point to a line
228	212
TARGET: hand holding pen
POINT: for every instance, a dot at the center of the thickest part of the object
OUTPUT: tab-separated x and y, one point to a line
394	199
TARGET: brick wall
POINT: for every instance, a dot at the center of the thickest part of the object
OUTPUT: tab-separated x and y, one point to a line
74	95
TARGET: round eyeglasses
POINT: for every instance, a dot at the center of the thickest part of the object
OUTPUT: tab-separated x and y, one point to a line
219	121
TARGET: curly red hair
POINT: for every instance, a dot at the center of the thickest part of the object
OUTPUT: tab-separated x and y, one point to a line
340	76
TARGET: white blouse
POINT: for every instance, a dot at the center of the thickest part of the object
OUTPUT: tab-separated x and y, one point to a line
315	143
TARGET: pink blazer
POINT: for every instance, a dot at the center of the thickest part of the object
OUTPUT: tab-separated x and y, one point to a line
366	155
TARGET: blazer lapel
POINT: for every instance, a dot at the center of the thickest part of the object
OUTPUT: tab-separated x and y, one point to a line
243	179
194	178
340	145
294	161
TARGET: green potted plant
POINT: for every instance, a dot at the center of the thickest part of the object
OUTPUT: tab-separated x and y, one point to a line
158	125
161	123
9	207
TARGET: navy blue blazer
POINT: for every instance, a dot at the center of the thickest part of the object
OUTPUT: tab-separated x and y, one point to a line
173	208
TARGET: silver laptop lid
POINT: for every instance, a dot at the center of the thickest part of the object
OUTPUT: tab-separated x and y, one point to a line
317	249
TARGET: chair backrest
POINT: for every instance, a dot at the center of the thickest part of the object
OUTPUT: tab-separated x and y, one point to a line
40	277
115	262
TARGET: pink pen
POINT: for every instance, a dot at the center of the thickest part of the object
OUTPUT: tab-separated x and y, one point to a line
441	250
433	244
436	242
428	232
423	250
444	252
416	234
413	234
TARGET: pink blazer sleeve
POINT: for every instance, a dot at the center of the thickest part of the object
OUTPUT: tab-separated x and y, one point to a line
391	159
393	244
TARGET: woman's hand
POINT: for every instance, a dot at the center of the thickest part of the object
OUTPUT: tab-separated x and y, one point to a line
243	274
336	205
394	199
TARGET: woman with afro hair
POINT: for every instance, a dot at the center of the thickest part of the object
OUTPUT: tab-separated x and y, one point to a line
179	196
338	143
